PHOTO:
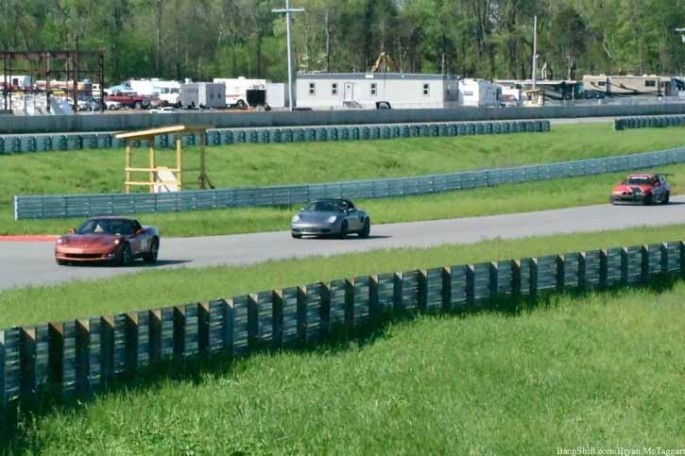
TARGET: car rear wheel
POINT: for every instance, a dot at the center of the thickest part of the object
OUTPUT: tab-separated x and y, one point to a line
126	258
151	256
366	230
343	231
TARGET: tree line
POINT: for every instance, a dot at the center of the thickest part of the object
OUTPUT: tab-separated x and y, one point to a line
202	39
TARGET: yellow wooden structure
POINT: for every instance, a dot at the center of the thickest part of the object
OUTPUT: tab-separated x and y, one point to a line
153	169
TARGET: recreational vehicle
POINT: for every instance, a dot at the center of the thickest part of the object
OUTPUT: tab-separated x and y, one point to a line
243	93
610	86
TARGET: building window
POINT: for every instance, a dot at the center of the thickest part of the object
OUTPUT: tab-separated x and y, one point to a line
602	83
426	90
374	89
312	88
334	88
650	83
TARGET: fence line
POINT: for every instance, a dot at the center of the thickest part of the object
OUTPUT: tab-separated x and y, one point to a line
62	206
77	358
13	144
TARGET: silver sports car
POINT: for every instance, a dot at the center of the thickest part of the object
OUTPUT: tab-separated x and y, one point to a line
330	217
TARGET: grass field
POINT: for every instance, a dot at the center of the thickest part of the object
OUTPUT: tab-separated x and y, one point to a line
241	165
602	371
599	370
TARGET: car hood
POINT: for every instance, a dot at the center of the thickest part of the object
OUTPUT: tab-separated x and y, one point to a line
316	216
80	240
632	188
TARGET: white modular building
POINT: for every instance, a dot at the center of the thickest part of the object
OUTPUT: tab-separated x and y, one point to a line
400	90
479	93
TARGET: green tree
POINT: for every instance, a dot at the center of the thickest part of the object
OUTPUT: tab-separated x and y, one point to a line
569	28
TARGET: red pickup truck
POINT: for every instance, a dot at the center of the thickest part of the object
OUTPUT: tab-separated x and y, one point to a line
130	100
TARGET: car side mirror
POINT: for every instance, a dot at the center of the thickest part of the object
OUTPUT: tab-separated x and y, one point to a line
139	231
71	231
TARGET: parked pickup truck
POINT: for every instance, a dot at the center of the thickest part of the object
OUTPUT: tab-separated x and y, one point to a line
130	100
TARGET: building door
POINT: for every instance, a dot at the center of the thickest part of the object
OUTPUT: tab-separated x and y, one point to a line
349	91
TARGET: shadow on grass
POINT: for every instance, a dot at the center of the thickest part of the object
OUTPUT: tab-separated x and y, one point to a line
340	337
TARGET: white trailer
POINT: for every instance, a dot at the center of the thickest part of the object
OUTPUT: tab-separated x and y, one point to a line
18	81
203	95
479	93
276	96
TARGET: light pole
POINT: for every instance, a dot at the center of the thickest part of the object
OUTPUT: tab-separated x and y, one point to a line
535	51
288	11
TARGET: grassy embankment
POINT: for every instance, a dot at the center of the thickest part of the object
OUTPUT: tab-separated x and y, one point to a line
597	370
101	171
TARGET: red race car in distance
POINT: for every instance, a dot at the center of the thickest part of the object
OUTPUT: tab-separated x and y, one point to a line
113	240
643	188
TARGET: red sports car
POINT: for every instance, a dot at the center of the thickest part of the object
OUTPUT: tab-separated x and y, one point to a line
643	189
115	240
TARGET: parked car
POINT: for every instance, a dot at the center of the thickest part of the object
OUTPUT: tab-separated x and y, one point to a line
162	110
89	104
112	105
113	240
330	217
642	188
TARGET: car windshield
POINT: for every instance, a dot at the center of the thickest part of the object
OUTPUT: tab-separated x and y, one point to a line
324	206
638	180
106	226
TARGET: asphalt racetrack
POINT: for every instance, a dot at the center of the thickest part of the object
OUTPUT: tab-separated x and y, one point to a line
26	263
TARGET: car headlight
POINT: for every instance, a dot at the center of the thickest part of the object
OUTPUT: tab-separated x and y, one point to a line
117	241
332	219
296	218
60	240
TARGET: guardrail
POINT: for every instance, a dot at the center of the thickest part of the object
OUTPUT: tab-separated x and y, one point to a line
224	119
62	206
13	144
77	358
624	123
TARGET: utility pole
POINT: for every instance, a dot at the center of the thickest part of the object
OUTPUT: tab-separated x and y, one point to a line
535	49
288	11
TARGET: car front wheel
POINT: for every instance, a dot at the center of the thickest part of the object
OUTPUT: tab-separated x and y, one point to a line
126	258
343	231
366	230
667	198
151	256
